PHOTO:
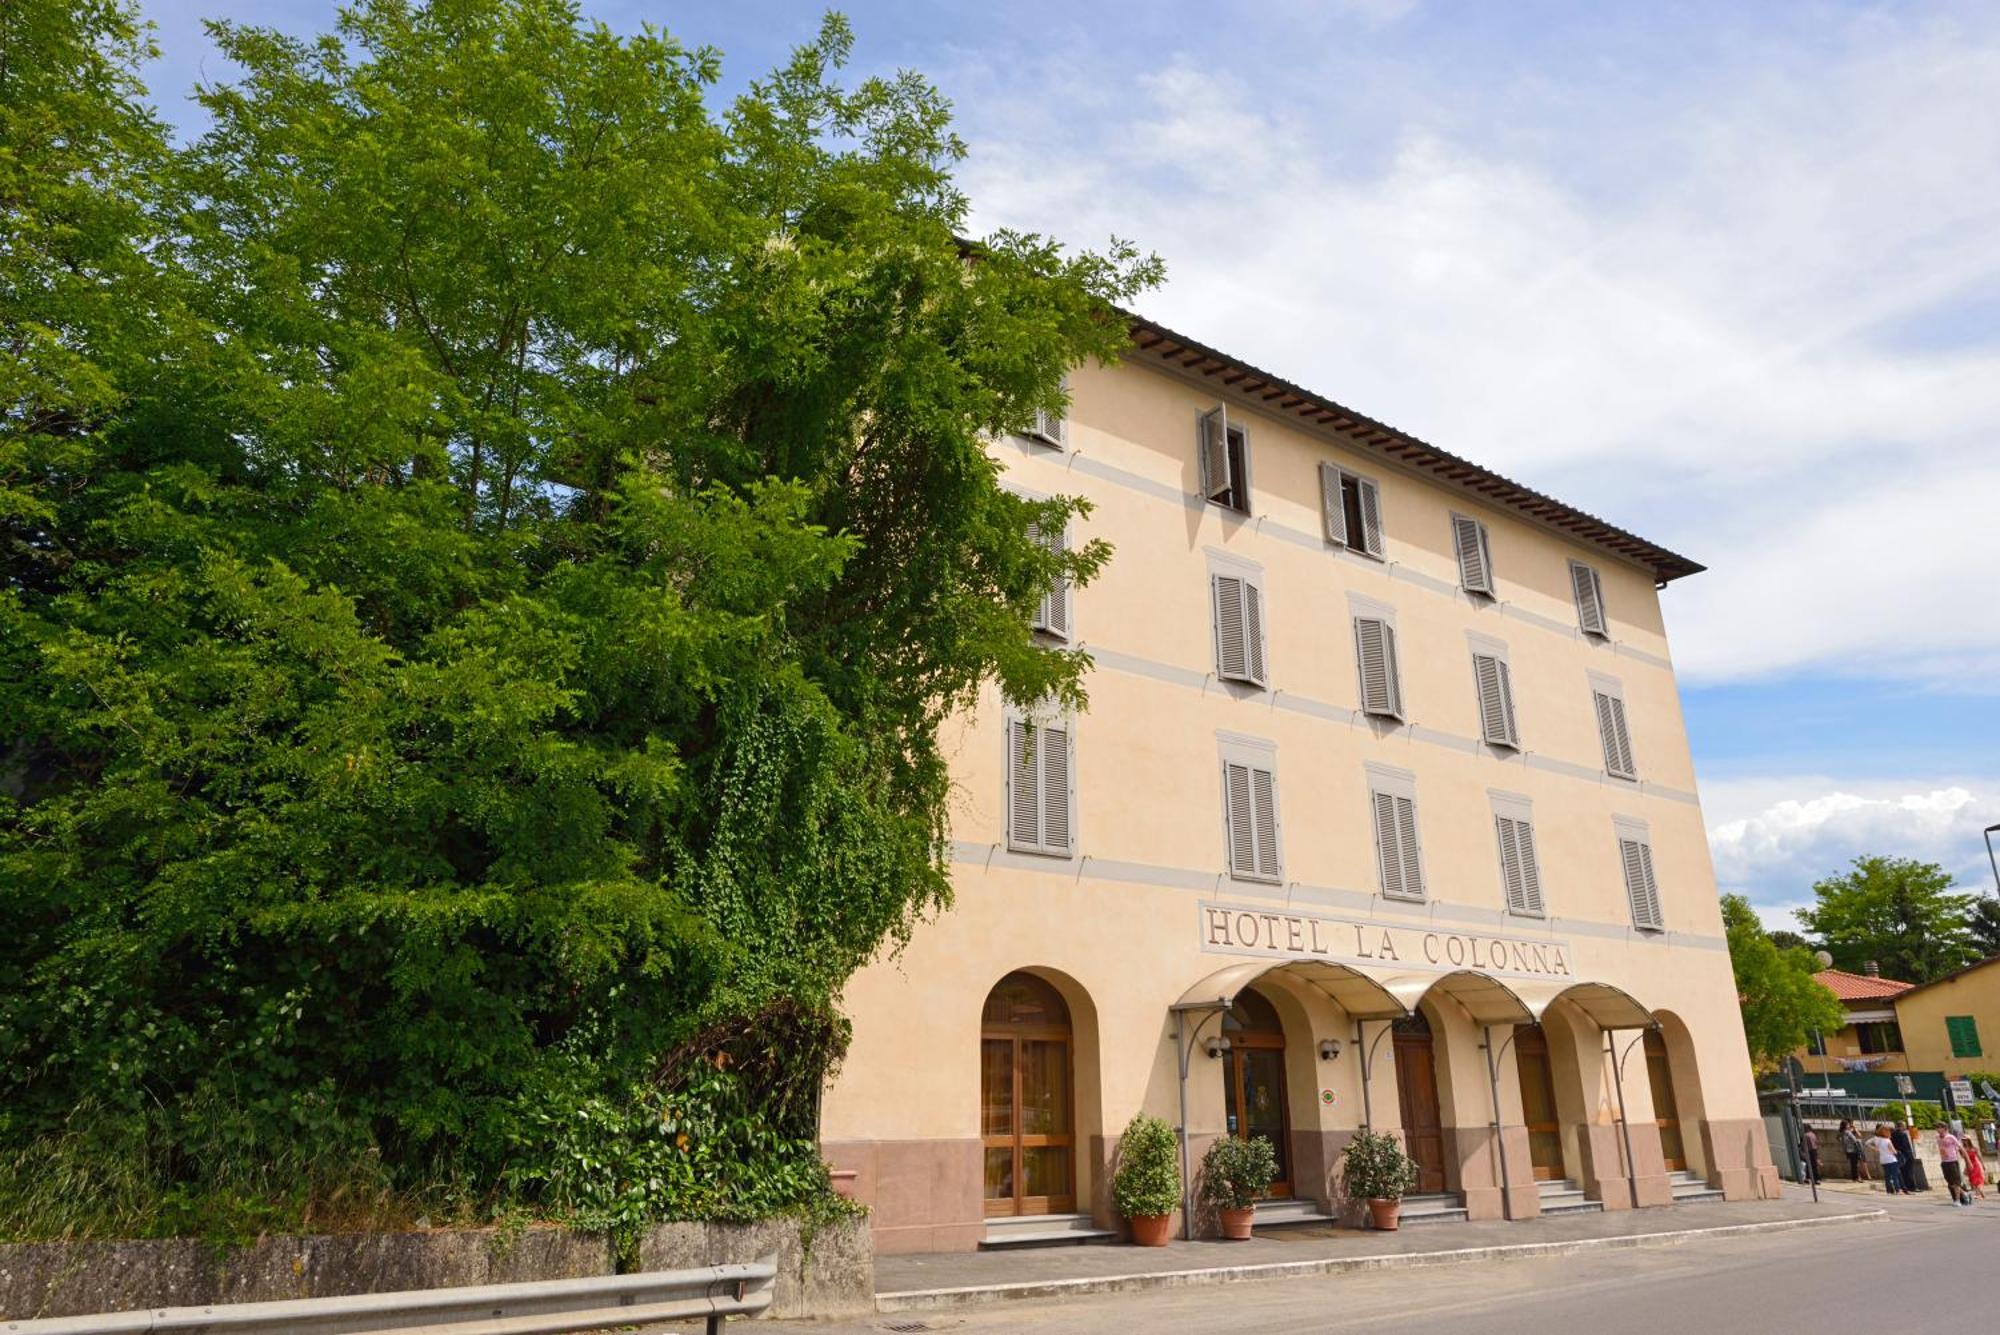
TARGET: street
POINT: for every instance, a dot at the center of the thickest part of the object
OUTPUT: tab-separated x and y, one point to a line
1911	1272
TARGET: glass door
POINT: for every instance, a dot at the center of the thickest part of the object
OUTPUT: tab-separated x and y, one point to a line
1538	1103
1255	1097
1026	1113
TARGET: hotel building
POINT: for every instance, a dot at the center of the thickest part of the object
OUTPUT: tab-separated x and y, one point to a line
1381	815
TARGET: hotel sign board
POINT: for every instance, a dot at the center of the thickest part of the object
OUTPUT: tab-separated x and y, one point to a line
1267	933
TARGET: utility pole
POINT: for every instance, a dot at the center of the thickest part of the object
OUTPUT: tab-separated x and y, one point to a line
1989	855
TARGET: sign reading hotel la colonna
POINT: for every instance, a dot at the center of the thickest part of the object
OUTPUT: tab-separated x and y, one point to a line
1381	816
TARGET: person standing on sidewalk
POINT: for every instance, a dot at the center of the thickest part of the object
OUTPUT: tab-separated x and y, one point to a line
1906	1155
1885	1154
1949	1160
1810	1143
1850	1145
1975	1166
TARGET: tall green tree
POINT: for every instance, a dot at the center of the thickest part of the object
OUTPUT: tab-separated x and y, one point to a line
1782	1002
473	646
1895	912
1983	926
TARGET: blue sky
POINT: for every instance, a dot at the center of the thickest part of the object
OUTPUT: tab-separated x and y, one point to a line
1726	274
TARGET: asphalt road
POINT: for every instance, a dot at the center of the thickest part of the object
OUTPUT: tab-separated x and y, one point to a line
1920	1270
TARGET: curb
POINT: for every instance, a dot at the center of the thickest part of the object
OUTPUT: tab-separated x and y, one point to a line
932	1300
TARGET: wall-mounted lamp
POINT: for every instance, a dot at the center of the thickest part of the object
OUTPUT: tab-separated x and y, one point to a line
1217	1046
1329	1049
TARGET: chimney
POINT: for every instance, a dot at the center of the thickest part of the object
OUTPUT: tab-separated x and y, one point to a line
1872	969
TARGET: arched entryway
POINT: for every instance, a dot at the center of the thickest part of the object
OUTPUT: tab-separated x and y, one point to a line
1538	1102
1666	1111
1027	1109
1253	1074
1417	1092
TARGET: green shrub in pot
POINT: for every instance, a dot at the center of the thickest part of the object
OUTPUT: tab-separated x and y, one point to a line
1374	1168
1148	1180
1235	1173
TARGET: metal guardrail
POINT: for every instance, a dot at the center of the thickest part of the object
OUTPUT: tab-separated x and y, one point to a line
541	1307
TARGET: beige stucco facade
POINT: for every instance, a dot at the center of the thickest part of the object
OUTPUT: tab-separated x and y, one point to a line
1971	997
1145	907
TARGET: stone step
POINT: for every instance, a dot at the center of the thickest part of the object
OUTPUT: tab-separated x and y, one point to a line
1289	1214
1436	1208
1563	1196
1042	1230
1694	1193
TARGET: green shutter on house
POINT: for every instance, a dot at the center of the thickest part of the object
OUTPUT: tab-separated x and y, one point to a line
1964	1031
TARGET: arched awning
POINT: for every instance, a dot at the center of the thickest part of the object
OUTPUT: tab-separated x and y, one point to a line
1354	992
1486	999
1606	1006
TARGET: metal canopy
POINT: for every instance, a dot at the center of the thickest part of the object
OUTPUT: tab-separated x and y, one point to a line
1606	1006
1354	992
1487	1000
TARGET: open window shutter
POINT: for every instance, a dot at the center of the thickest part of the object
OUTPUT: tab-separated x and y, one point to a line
1055	788
1242	820
1406	828
1253	631
1024	817
1053	615
1474	572
1052	427
1510	864
1507	703
1623	737
1215	479
1231	638
1330	503
1375	646
1371	517
1496	700
1388	846
1639	884
1607	732
1531	875
1264	799
1589	597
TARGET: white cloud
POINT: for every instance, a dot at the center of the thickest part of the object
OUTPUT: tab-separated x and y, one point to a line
1773	837
1703	319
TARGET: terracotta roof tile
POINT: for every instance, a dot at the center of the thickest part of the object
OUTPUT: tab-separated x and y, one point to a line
1859	986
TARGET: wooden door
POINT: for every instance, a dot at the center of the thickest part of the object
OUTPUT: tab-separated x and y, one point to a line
1417	1090
1666	1113
1538	1102
1253	1077
1026	1110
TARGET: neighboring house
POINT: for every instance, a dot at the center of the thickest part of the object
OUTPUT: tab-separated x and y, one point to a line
1947	1022
1871	1038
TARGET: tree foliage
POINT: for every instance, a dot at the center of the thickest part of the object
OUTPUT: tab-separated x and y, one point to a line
1782	1001
1895	912
489	540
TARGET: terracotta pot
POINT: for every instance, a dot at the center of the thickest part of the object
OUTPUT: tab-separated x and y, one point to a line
1236	1223
1383	1213
843	1181
1151	1230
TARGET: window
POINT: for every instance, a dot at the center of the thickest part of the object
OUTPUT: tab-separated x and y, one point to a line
1392	799
1520	873
1609	700
1880	1036
1237	596
1814	1044
1494	686
1475	557
1225	461
1589	590
1352	508
1040	797
1963	1031
1053	616
1375	659
1250	809
1635	854
1050	428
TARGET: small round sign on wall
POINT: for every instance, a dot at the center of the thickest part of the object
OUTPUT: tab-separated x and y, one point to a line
1328	1097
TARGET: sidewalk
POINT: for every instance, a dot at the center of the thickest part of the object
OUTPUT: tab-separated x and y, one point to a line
960	1279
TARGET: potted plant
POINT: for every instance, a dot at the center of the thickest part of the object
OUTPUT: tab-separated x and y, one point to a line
1147	1186
1375	1169
1234	1174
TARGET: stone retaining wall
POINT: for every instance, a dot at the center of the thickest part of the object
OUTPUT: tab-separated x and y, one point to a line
830	1274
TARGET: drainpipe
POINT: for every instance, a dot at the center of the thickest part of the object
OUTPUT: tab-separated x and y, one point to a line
1367	1054
1180	1045
1499	1132
1624	1123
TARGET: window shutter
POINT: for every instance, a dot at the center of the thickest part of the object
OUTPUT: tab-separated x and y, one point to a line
1053	614
1496	700
1963	1031
1330	503
1264	797
1371	517
1406	829
1612	731
1627	767
1242	821
1640	886
1215	479
1518	873
1024	803
1054	749
1232	654
1375	647
1589	597
1388	846
1253	631
1475	565
1052	428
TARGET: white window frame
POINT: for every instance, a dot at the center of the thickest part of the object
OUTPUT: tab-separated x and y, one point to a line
1515	807
1614	728
1253	754
1480	582
1629	830
1359	609
1333	511
1256	619
1039	722
1238	487
1398	788
1485	646
1050	429
1055	615
1583	575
